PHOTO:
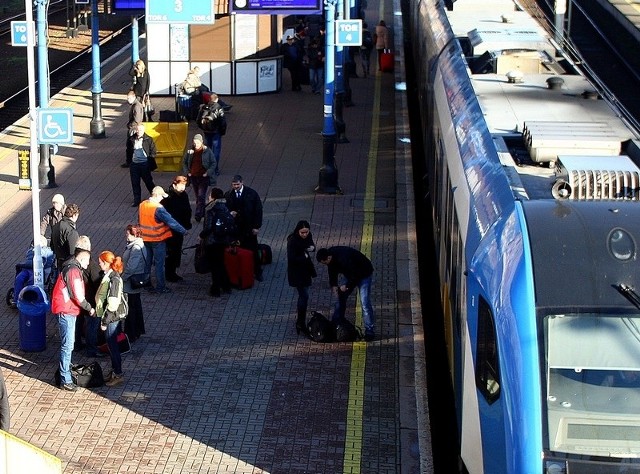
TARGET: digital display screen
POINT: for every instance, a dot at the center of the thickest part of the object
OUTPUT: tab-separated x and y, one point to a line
275	7
128	4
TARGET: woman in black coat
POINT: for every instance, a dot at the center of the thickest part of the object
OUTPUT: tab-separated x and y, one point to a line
177	204
300	268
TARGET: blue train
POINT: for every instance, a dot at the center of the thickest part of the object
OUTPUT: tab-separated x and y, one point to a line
534	185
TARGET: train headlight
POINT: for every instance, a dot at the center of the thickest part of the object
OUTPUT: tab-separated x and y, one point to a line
554	467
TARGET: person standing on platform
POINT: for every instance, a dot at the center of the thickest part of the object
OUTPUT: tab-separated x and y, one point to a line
212	122
134	258
156	225
67	301
365	50
199	165
381	39
357	271
140	80
177	204
246	208
293	56
53	215
64	235
85	324
5	414
136	116
316	67
143	162
300	269
219	231
111	308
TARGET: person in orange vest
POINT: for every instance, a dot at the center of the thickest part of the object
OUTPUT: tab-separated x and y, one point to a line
156	225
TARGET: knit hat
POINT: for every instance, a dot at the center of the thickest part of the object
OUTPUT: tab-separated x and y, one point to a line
58	198
198	137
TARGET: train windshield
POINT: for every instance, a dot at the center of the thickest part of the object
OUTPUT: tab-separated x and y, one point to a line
593	384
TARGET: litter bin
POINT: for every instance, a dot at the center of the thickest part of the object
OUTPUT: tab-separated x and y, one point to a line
33	306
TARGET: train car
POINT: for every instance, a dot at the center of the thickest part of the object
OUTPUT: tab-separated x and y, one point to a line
534	188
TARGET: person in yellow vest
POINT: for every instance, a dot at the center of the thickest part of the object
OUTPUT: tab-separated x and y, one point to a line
156	225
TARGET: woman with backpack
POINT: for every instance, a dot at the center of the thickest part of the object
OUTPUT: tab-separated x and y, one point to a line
218	232
111	308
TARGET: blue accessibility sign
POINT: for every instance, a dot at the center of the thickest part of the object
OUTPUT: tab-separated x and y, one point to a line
55	126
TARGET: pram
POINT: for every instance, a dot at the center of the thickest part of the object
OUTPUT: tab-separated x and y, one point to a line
24	274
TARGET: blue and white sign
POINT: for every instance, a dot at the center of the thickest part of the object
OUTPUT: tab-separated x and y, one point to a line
55	126
194	12
348	32
19	33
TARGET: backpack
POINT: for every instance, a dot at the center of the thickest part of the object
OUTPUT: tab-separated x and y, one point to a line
87	376
320	328
347	332
224	227
367	40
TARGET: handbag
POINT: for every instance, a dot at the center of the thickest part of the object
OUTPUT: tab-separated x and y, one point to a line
147	108
87	376
200	260
140	280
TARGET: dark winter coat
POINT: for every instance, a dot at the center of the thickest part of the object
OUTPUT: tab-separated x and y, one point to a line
63	239
350	263
51	218
300	267
218	211
248	207
177	204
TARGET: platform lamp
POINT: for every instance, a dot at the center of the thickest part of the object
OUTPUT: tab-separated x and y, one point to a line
328	176
46	171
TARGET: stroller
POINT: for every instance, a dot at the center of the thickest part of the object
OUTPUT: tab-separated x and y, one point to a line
24	274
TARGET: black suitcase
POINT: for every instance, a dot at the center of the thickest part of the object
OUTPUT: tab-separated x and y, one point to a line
168	116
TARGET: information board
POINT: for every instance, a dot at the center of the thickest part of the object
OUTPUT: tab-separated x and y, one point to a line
277	7
192	12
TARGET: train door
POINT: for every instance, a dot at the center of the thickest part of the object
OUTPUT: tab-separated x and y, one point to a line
483	438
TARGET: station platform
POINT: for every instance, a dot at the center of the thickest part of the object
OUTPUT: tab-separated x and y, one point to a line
225	385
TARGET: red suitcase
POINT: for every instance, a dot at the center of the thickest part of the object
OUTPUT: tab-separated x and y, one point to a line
239	265
387	59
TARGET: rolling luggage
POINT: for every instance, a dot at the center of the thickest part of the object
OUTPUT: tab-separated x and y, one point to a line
239	265
184	107
387	59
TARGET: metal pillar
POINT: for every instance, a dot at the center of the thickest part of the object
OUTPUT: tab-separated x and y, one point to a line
328	177
339	90
96	126
38	273
46	172
135	48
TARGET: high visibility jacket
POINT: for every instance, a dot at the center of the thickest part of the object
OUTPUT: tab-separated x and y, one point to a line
152	230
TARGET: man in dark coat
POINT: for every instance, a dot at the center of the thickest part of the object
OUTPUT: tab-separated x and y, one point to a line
357	271
246	207
177	204
64	235
136	116
143	162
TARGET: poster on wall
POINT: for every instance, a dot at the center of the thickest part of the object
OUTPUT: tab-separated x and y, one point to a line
277	7
179	35
246	28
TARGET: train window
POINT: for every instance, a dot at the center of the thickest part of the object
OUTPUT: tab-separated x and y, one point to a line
593	384
487	368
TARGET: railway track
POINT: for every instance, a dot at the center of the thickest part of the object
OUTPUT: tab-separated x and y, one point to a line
605	52
68	59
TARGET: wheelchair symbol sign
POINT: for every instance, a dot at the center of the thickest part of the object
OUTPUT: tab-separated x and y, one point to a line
55	126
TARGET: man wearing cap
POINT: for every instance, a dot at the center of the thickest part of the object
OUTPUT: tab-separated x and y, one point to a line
156	225
293	54
143	162
199	166
54	214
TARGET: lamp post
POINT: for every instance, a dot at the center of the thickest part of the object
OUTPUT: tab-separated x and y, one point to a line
46	172
328	176
38	273
339	88
96	126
